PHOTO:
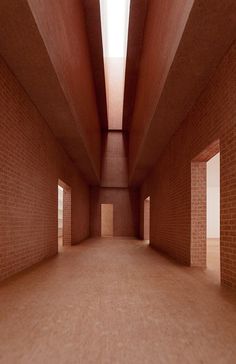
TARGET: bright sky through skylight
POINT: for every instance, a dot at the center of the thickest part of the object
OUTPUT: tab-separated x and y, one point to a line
115	18
115	22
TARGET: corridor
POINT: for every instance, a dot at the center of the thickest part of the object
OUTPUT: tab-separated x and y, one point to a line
115	300
117	182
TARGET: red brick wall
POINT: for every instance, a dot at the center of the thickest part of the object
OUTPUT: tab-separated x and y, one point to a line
146	220
31	162
198	214
114	171
66	217
114	189
125	210
213	117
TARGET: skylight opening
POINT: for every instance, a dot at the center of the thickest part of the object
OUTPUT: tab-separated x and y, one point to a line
115	23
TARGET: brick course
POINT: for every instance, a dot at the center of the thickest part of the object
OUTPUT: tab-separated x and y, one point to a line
146	222
212	118
125	210
198	214
31	162
67	216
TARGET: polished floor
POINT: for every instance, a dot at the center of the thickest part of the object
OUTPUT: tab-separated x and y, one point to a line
116	301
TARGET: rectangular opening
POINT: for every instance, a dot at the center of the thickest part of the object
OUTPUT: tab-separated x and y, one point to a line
60	218
213	214
64	215
114	22
106	220
146	222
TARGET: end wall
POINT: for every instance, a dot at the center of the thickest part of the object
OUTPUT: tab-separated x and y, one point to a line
114	189
31	162
125	210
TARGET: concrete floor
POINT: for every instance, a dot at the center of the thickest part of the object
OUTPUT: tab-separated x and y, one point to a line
116	301
213	257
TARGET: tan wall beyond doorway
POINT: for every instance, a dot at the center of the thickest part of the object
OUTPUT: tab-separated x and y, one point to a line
106	219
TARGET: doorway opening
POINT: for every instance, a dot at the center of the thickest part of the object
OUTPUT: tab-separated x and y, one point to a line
205	209
64	215
60	218
213	214
106	219
146	221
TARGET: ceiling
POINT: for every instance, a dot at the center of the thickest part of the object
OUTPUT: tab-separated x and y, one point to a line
182	44
55	51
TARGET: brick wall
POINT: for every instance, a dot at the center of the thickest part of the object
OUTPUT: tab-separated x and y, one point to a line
213	117
114	171
66	217
125	210
31	162
198	214
114	189
146	222
199	204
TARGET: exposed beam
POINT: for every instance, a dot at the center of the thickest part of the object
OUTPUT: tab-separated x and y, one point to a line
165	96
138	9
53	73
93	25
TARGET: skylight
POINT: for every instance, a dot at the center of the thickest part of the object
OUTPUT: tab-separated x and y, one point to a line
115	20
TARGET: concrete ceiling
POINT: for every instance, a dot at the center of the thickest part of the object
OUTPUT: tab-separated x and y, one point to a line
94	31
55	51
183	43
47	45
138	9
